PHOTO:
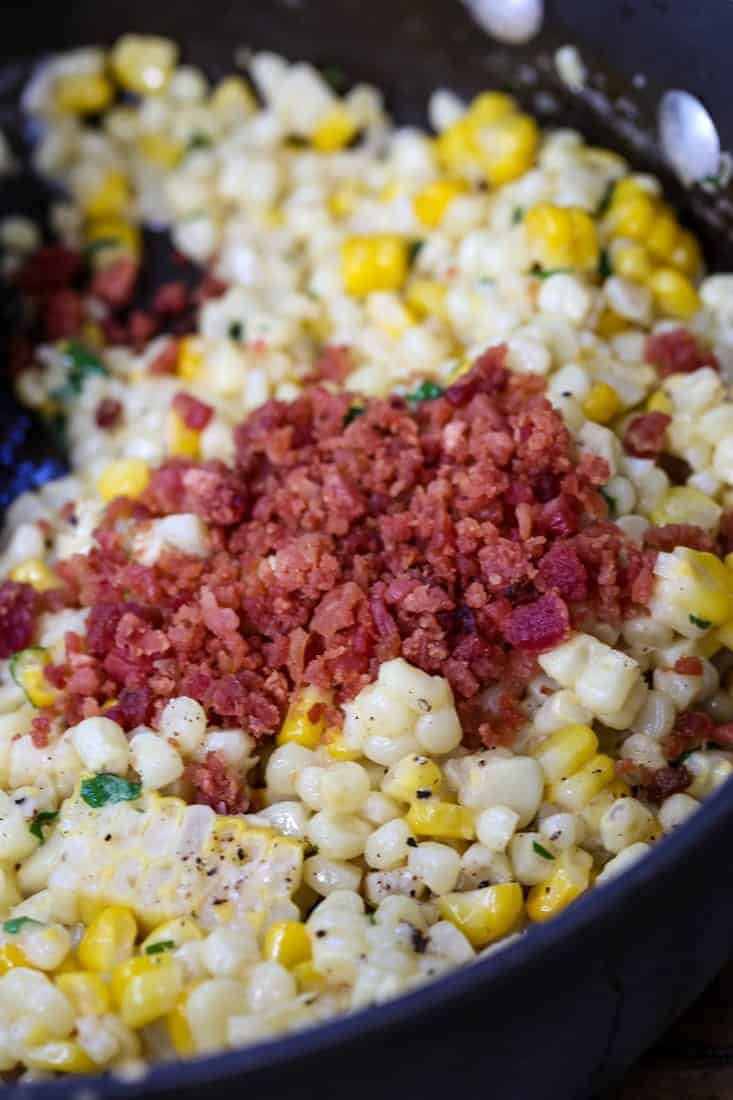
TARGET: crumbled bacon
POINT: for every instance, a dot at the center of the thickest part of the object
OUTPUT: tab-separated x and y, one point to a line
688	666
195	414
679	534
166	361
334	364
216	785
52	267
115	283
141	328
645	435
18	605
678	352
656	786
63	314
108	413
171	299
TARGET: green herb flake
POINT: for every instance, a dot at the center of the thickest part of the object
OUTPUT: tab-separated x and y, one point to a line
295	141
335	77
413	250
426	391
354	411
546	272
610	501
17	924
199	140
159	947
604	264
106	788
606	197
517	215
81	363
701	624
236	330
542	851
43	818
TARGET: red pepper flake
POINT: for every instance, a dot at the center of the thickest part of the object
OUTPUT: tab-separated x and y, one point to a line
195	414
688	666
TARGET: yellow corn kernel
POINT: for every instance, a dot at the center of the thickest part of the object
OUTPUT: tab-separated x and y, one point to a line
566	750
335	130
305	720
146	988
485	915
36	573
610	324
179	1030
446	819
561	236
577	789
126	477
619	788
183	442
338	749
432	201
673	293
92	335
178	930
83	93
663	235
713	640
489	107
602	403
60	1056
704	585
627	188
143	63
110	199
11	956
308	978
411	774
233	97
342	200
109	939
457	147
110	237
632	217
425	297
686	255
659	402
568	880
684	504
378	262
160	149
287	942
190	358
508	148
87	992
27	669
631	261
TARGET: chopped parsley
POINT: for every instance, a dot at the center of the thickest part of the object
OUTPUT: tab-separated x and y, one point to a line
542	851
159	947
517	215
413	250
701	624
236	330
604	264
426	391
81	363
199	140
351	415
335	77
17	924
610	501
546	272
44	817
106	788
605	202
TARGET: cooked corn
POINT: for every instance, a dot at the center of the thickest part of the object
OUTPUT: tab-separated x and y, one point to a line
374	263
484	915
127	477
35	573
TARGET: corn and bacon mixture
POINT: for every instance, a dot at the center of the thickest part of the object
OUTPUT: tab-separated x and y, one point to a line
388	605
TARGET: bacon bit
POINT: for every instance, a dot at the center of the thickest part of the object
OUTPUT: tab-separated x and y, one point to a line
725	532
18	606
215	785
132	708
645	435
52	267
195	414
211	286
723	734
108	413
171	299
334	364
694	727
115	283
166	361
676	468
63	314
679	534
660	784
141	328
540	625
678	352
562	570
40	731
688	666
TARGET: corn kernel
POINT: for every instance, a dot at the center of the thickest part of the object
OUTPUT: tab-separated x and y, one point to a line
485	915
610	324
659	402
631	261
88	994
574	791
233	97
602	403
111	236
489	107
27	669
425	297
110	199
378	262
127	477
673	293
457	147
109	939
627	188
685	504
179	1029
60	1056
83	93
686	255
178	930
287	942
146	988
342	200
36	573
160	149
183	442
433	200
335	130
508	148
308	978
566	750
339	749
190	358
561	236
305	720
569	879
663	235
432	818
11	956
143	63
633	217
410	775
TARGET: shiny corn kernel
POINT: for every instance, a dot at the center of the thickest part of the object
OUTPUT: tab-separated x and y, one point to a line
160	149
566	750
335	130
577	789
83	93
287	942
425	297
179	1030
110	236
36	573
631	261
233	97
413	777
60	1056
342	200
633	217
27	669
433	200
685	504
663	235
339	749
602	403
686	255
183	442
570	878
484	915
143	63
10	957
443	819
190	358
674	294
127	477
305	720
457	147
627	188
659	402
109	939
378	262
561	236
308	978
110	199
488	107
698	583
88	993
610	324
146	988
508	148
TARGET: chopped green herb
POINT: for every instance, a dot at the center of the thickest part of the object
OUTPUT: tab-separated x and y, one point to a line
604	264
236	330
413	250
426	391
354	411
80	363
16	924
546	272
517	215
335	77
159	947
542	851
701	624
106	788
713	180
605	202
610	501
44	817
199	140
682	757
